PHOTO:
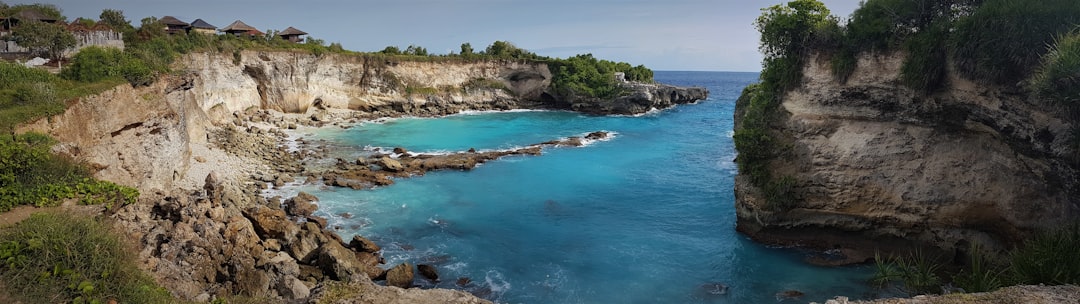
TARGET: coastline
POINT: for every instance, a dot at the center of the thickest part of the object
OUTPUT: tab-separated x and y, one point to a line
201	167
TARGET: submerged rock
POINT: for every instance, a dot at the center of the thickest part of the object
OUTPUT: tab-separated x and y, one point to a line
429	272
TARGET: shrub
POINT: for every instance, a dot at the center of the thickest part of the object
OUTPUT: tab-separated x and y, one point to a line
1002	41
917	272
1058	77
979	275
925	68
31	175
1048	258
57	257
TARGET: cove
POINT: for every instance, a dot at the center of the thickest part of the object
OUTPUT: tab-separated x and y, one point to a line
645	217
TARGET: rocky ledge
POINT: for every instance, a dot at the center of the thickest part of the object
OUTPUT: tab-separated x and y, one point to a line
639	98
378	169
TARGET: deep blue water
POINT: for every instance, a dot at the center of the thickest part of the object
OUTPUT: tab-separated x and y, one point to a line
646	217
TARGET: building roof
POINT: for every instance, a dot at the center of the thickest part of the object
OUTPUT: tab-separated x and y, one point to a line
291	31
200	24
239	26
254	32
170	20
31	14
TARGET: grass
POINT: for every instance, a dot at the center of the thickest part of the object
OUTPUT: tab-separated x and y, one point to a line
58	257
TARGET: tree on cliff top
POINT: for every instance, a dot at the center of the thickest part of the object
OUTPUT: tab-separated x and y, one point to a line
116	20
44	38
785	29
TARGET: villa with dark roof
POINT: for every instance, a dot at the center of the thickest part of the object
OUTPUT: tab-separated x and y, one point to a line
202	27
292	34
240	29
173	25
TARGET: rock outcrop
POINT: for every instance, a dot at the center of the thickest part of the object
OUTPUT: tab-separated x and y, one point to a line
879	166
640	98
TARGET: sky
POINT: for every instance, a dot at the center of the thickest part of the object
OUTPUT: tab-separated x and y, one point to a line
679	35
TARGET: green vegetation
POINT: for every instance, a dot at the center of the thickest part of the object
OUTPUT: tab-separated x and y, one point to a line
1048	258
27	94
61	258
590	77
786	36
1058	77
991	41
31	175
46	39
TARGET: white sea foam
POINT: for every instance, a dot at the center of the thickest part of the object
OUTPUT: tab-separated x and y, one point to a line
496	282
585	142
731	134
482	112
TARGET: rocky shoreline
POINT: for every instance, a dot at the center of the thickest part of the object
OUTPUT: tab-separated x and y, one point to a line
204	146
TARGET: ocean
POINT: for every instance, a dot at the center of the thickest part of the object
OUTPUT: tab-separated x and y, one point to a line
645	217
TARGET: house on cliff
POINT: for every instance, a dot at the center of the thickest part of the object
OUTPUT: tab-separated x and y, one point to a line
240	29
174	26
292	34
202	27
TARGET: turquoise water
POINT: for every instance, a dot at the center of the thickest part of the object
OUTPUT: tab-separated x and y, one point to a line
646	217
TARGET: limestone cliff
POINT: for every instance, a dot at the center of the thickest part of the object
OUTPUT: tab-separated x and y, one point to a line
879	166
144	137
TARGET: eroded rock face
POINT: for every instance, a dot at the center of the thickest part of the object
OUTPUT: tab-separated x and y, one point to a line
879	166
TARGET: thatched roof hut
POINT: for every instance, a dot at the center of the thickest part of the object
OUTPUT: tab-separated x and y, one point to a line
33	15
239	28
200	26
173	25
292	34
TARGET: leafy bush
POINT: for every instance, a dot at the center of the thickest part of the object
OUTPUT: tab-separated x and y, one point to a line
584	75
1002	41
94	64
1058	78
60	258
31	175
917	272
979	275
1049	258
925	68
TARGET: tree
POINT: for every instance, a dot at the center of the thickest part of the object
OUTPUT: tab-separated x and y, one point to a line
392	50
785	29
416	50
116	20
466	50
44	38
150	28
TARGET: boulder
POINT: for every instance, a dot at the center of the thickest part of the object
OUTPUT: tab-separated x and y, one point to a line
318	220
428	272
390	164
596	135
292	288
400	150
362	244
310	238
271	223
301	205
338	262
370	262
400	276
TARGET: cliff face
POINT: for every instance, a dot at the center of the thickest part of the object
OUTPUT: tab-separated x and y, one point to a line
144	137
879	166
